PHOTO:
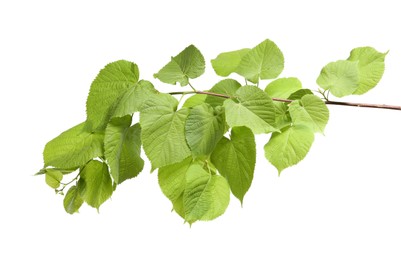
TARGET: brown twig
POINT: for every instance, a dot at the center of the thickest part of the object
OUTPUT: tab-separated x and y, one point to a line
338	103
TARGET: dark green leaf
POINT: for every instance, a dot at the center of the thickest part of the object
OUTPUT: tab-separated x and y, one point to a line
235	160
299	94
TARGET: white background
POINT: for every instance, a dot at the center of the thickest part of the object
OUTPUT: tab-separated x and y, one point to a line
342	202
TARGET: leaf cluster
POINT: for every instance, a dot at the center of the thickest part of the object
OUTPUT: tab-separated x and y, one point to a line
203	149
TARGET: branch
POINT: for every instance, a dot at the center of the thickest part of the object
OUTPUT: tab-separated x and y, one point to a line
338	103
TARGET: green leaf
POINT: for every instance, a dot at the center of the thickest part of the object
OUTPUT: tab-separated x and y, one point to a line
123	149
227	62
189	64
265	61
133	99
204	128
283	87
97	182
226	87
194	100
73	148
163	130
106	90
283	117
340	77
289	147
206	196
235	160
72	200
299	94
370	67
172	179
53	178
310	111
252	108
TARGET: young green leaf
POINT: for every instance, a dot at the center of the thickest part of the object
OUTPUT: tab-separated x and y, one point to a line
97	182
188	64
265	61
299	94
252	108
72	200
311	112
206	196
289	147
283	87
235	160
340	77
73	148
370	67
53	178
163	130
227	62
134	97
123	149
106	89
204	128
227	87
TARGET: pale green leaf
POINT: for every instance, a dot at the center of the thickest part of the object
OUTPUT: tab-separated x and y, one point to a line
53	178
310	111
194	100
340	77
188	64
204	128
265	61
226	87
97	182
227	62
370	67
283	87
163	130
235	160
123	149
73	148
252	108
299	94
106	90
206	196
172	179
289	147
283	117
72	200
134	97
